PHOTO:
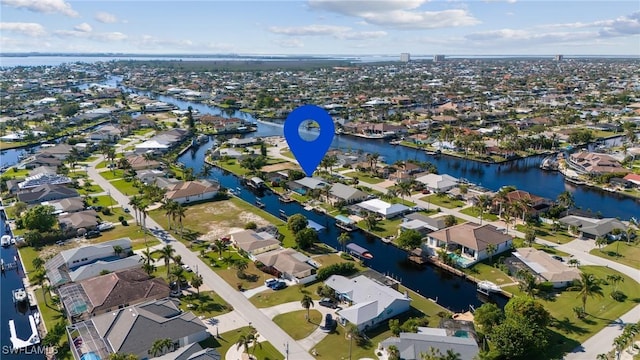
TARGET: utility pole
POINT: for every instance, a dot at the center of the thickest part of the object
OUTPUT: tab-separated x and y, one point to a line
286	351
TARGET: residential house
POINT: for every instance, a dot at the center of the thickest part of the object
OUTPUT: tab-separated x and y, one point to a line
47	192
190	191
534	204
291	264
86	219
438	183
383	208
372	303
254	243
307	184
191	352
634	179
546	268
346	194
149	176
588	163
242	142
139	162
411	346
59	151
33	181
108	292
127	330
68	205
470	239
43	160
109	133
421	223
589	228
88	261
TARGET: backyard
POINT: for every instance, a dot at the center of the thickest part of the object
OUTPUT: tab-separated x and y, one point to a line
544	231
295	323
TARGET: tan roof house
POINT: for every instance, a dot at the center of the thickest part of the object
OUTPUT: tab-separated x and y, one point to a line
547	268
254	243
86	219
292	264
588	163
190	191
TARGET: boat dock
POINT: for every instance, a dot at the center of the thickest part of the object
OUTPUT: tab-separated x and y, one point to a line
345	223
18	343
359	251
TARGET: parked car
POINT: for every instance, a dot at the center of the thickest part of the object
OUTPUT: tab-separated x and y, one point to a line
330	324
326	302
105	226
175	293
270	282
279	285
92	234
187	268
127	210
559	258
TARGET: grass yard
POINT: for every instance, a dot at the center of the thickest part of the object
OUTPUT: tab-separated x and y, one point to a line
208	304
102	200
571	331
83	190
336	344
233	166
112	174
254	277
364	177
270	297
544	231
116	212
485	271
383	228
230	338
295	323
518	243
52	316
15	173
620	252
443	201
125	187
475	212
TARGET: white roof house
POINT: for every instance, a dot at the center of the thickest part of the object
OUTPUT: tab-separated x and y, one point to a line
546	267
372	302
151	145
383	208
438	183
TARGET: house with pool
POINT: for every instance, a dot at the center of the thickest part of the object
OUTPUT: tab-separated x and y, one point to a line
468	243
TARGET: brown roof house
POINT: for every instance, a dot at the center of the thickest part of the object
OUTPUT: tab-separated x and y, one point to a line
292	264
254	243
138	162
471	239
190	191
86	219
588	163
108	292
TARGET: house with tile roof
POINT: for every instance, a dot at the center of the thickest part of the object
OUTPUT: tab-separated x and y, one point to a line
290	263
546	268
191	191
254	243
590	228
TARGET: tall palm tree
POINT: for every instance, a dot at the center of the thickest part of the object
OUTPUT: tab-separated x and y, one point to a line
483	202
159	346
166	255
219	246
247	341
491	249
196	282
147	256
241	265
169	206
135	202
601	241
589	286
178	274
566	199
615	279
37	263
343	239
307	302
404	189
180	212
206	171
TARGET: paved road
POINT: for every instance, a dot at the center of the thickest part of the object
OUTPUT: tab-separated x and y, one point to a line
274	334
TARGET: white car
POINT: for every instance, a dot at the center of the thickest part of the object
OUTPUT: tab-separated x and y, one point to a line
186	268
105	226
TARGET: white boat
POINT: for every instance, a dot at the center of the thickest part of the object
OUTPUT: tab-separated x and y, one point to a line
5	240
36	318
487	287
32	300
19	295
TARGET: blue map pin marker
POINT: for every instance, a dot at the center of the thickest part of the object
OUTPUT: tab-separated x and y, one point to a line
309	153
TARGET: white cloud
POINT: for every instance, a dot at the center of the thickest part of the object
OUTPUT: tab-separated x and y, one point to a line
289	43
97	36
84	27
28	29
361	35
106	18
521	36
309	30
401	14
43	6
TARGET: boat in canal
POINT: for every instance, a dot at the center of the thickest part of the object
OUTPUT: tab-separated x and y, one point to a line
260	204
344	223
5	240
19	295
487	287
359	251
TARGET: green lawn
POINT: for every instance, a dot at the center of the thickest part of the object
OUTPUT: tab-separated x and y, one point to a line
15	173
112	174
254	277
125	187
208	304
102	200
518	243
90	190
366	177
264	352
233	167
51	316
383	228
295	323
336	345
485	271
270	297
544	232
116	212
619	251
475	212
443	201
101	164
569	330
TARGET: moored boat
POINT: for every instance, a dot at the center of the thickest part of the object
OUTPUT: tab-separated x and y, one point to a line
5	240
19	295
359	251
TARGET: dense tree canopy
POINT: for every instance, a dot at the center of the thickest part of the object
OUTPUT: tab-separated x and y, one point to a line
410	239
39	217
297	222
306	237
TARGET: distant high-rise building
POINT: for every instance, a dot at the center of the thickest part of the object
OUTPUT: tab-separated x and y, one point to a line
405	57
438	58
558	57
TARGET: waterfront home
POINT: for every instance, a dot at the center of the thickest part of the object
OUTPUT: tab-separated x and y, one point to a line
43	179
546	268
411	346
242	142
419	139
190	191
438	183
254	243
108	292
43	160
346	194
162	142
306	184
109	133
134	329
382	208
59	151
421	223
587	163
467	243
590	228
86	220
191	352
149	176
291	264
535	205
68	205
634	179
152	146
88	261
139	162
46	192
371	303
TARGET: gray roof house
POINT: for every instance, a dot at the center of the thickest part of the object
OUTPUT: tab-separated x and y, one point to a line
191	352
86	219
311	183
348	194
412	345
592	228
67	205
546	268
88	261
46	192
421	223
126	330
372	302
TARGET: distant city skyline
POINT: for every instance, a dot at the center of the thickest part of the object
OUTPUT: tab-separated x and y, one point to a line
321	27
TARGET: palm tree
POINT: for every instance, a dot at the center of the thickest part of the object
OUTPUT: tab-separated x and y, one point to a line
180	212
615	279
248	340
158	347
206	171
179	275
574	262
601	241
219	246
118	356
371	221
404	189
37	263
169	206
196	282
147	256
491	249
306	303
352	332
241	265
166	254
135	202
343	239
527	283
117	249
589	286
483	202
566	199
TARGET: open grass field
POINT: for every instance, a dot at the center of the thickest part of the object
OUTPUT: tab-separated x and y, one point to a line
230	338
475	212
295	323
621	252
366	177
270	297
443	201
125	187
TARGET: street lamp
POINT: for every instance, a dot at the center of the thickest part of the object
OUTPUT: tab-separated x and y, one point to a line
286	351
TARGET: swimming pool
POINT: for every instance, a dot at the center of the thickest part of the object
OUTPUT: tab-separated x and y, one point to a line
462	261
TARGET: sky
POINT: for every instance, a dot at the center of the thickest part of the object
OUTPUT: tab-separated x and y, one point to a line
322	27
